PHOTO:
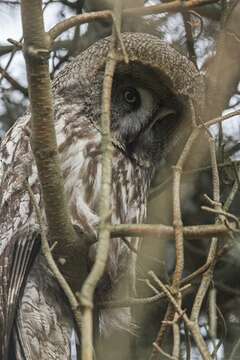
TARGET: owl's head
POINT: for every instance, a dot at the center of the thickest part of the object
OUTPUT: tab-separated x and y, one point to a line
155	96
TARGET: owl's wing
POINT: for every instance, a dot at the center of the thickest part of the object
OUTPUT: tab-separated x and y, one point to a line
33	315
44	324
15	262
40	324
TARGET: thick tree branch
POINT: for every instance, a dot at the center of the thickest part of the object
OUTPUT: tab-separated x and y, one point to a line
60	230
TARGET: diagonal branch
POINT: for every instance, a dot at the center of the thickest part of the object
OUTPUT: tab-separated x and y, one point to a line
13	82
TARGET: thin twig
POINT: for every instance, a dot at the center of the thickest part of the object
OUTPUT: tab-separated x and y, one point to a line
233	191
221	118
207	276
212	310
178	231
220	342
187	342
193	327
189	35
87	292
162	352
155	191
173	6
75	20
139	301
163	232
15	84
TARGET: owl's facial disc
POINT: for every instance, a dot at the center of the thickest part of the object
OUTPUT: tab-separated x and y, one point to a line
144	116
145	112
152	142
162	114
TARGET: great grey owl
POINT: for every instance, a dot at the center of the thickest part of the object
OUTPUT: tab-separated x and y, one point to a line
152	105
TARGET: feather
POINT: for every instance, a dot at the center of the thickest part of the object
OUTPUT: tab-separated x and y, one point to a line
15	263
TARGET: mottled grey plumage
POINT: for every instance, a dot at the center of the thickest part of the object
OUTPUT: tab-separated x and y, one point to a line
33	311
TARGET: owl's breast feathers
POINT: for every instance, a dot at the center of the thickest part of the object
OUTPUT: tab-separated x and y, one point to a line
38	317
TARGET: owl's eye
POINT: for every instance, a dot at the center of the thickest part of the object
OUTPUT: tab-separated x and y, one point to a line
132	97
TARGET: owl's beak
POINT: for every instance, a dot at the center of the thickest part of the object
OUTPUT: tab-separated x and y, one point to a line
162	114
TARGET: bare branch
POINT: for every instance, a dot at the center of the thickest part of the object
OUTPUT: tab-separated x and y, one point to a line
13	82
222	118
36	51
167	232
189	34
139	301
86	296
172	6
191	325
64	25
212	256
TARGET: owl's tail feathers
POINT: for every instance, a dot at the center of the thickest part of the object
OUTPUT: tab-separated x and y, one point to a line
15	262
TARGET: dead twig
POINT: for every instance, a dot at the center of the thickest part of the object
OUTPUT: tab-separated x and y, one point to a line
15	84
193	327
